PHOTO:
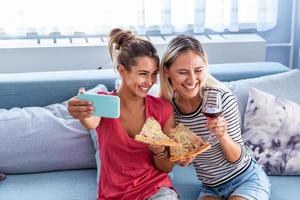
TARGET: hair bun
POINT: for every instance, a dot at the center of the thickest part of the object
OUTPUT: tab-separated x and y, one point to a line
121	37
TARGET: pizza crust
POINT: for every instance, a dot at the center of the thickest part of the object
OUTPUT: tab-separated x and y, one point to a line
201	149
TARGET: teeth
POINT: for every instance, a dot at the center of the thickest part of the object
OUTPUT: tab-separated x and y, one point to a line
190	87
145	89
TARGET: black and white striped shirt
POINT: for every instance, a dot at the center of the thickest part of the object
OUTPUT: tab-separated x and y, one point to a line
212	168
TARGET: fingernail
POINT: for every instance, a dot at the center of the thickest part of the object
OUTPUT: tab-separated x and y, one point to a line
81	90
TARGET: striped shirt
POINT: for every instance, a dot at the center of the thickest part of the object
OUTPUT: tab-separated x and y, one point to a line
212	168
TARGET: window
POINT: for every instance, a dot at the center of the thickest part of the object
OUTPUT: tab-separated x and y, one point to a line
19	17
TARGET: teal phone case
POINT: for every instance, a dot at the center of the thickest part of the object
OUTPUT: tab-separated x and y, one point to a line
104	105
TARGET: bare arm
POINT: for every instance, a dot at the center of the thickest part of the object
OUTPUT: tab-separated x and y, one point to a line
82	110
232	150
218	126
161	153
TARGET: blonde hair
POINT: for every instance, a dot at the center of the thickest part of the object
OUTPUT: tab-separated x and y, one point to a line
177	46
125	47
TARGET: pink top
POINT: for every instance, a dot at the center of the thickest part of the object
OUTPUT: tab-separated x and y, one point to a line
127	166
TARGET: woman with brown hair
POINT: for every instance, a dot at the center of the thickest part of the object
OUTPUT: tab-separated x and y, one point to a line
131	169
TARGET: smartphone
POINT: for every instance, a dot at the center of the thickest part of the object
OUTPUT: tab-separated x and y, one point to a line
104	105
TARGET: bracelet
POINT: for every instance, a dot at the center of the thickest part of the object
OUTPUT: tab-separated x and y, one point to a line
160	154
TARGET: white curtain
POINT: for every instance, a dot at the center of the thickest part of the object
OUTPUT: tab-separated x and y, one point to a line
18	17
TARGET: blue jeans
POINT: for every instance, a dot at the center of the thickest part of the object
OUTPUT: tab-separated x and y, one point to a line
252	184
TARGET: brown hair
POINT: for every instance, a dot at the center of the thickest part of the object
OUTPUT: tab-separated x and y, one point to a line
125	47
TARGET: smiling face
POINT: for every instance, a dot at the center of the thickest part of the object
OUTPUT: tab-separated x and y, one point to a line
186	74
141	77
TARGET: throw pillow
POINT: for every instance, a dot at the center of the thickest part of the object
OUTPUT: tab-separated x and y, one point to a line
37	139
272	131
284	85
33	139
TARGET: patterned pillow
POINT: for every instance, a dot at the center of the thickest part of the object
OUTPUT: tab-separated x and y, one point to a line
272	131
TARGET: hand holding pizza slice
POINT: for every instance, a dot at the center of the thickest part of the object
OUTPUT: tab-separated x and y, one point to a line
152	134
191	144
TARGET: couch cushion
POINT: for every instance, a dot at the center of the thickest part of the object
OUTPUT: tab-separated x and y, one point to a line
186	183
37	139
60	185
33	139
285	187
272	130
284	85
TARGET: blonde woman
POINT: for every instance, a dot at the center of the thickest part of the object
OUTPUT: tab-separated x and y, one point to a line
227	170
131	169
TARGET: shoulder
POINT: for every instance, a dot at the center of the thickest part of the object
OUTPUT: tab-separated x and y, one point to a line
227	97
229	102
159	108
157	101
220	90
225	93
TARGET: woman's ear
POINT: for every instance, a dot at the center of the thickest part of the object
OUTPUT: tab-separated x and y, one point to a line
166	72
167	75
121	70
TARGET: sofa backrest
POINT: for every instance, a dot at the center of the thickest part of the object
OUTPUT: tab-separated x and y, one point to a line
237	71
44	88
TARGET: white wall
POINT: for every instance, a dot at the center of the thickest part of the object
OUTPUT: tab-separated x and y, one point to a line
28	56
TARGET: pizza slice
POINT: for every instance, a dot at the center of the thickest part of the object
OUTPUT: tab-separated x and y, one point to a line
191	144
152	134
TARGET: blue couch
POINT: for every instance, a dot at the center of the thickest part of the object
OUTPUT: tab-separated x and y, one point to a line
64	167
